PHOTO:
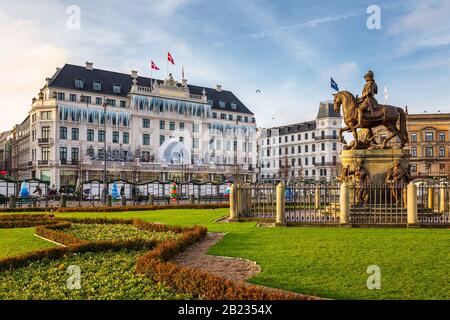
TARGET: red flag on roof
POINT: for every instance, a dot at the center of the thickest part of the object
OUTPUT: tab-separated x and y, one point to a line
169	57
154	66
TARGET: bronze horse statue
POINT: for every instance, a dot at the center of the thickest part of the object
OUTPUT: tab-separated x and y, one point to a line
388	117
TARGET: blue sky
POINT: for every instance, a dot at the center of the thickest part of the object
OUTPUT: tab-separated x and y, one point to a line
287	49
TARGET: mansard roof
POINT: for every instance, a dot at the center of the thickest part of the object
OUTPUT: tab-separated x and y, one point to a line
65	79
326	110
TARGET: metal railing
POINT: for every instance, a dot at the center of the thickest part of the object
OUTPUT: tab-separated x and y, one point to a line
378	204
433	202
312	203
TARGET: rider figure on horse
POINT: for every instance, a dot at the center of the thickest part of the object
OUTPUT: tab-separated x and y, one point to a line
367	101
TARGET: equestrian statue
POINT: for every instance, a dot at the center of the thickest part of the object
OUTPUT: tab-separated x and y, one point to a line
365	113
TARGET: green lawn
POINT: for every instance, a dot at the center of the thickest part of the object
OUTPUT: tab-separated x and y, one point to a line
329	262
17	241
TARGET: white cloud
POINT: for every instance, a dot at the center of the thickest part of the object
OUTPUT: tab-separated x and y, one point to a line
25	60
427	26
344	72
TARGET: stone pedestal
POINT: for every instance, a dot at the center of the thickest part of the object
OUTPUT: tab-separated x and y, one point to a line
376	161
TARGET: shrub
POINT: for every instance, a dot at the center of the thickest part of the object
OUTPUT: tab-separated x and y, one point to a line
144	207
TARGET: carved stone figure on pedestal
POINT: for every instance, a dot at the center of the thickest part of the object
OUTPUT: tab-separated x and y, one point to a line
396	178
361	178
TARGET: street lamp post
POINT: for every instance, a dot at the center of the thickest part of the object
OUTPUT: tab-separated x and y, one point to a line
105	180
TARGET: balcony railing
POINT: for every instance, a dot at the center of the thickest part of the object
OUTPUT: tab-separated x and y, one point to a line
44	141
43	162
326	137
326	164
68	162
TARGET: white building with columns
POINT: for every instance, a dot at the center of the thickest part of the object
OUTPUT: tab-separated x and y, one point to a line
301	151
146	129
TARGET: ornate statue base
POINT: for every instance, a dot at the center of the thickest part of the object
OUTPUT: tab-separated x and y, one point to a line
376	161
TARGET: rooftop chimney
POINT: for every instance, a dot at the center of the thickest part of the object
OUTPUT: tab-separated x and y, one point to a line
219	87
89	65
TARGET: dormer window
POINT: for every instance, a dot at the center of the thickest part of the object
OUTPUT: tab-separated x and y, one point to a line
234	106
222	104
116	88
97	85
79	83
210	102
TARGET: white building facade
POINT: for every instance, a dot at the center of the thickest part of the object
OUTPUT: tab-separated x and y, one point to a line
146	129
302	151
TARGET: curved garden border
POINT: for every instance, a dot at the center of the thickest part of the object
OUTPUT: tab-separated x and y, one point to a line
155	263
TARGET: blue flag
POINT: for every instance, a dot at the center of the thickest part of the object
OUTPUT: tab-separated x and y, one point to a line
334	85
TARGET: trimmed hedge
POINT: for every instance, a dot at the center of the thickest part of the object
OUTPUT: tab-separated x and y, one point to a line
26	221
144	207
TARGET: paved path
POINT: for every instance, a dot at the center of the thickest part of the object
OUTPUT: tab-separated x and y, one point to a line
231	268
235	269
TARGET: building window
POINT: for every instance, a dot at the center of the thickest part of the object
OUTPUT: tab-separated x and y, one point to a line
162	125
428	168
115	138
414	152
233	105
181	139
441	168
195	128
239	118
63	133
101	135
222	104
245	119
61	96
413	137
223	116
181	126
73	97
214	115
123	104
97	85
46	115
98	101
111	102
230	117
86	99
63	154
323	146
414	167
162	139
428	151
146	123
313	159
334	146
90	135
79	83
172	126
75	153
306	148
45	153
126	138
306	161
45	133
195	143
313	147
441	152
116	88
146	139
75	133
306	136
442	136
299	149
429	136
334	134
